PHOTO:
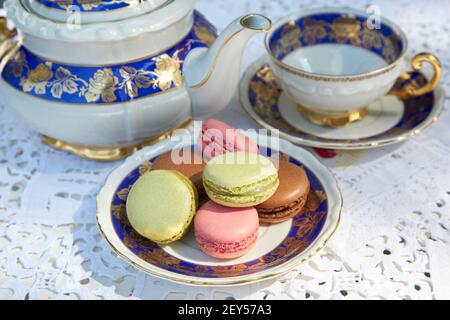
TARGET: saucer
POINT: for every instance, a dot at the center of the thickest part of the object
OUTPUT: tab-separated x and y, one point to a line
389	120
279	248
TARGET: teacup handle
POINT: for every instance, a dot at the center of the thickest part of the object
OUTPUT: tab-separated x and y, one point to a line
410	91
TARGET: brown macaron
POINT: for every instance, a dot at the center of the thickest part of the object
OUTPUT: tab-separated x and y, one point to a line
290	197
191	167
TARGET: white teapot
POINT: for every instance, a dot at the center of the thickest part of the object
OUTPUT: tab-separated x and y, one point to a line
102	78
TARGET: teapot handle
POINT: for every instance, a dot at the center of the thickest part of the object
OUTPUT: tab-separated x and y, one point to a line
411	91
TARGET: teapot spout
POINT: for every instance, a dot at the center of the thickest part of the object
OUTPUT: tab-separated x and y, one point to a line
212	74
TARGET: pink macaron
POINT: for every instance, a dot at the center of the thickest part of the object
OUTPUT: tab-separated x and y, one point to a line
218	138
226	233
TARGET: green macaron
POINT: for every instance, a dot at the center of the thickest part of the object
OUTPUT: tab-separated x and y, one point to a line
161	205
240	179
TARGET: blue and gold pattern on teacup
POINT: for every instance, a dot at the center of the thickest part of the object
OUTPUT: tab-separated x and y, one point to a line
335	28
305	229
107	84
90	5
264	93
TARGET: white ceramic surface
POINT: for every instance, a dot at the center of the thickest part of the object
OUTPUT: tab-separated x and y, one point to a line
186	248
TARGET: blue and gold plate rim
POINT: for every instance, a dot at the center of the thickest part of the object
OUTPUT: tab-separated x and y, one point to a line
259	93
308	234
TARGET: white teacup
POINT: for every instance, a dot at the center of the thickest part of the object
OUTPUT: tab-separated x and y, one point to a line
335	62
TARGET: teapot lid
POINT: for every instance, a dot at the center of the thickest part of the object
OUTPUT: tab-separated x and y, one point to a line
92	11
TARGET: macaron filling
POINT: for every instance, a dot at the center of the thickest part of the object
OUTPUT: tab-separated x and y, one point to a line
291	196
261	186
252	193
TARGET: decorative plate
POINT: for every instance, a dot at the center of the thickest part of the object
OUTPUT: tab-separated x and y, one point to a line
389	121
279	247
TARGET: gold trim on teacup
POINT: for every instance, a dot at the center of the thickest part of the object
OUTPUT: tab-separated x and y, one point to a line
333	78
337	121
107	153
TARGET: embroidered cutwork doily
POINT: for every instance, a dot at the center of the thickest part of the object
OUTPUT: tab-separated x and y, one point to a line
393	241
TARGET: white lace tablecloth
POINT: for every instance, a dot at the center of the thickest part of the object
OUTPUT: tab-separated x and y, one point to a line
393	241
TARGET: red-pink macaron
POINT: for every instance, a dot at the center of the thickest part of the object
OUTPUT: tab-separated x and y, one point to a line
217	138
226	233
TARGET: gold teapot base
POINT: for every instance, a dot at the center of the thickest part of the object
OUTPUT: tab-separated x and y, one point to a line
338	120
106	153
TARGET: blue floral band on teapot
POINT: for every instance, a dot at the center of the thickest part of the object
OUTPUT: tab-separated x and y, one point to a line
90	5
107	84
